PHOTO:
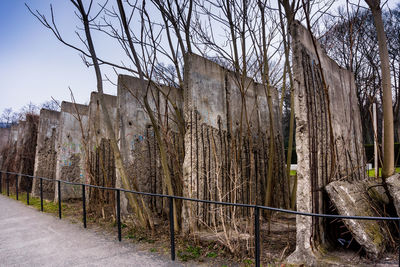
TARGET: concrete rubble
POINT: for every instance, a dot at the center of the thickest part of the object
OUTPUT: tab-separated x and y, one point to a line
393	183
351	199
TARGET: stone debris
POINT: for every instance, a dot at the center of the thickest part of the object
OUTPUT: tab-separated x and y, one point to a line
351	199
393	183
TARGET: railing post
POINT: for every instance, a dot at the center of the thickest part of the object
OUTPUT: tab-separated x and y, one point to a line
399	241
41	194
1	183
27	196
257	235
8	184
16	186
119	214
84	205
172	227
59	198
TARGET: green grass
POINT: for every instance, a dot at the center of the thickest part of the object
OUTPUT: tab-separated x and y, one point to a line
211	254
248	262
190	253
138	236
48	206
371	173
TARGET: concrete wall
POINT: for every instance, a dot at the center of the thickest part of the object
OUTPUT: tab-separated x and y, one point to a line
46	152
71	151
225	161
26	149
13	137
138	145
328	134
4	135
97	129
101	165
214	92
11	147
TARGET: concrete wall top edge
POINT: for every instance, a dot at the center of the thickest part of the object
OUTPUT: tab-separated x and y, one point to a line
48	112
73	108
133	83
304	36
212	66
110	99
199	59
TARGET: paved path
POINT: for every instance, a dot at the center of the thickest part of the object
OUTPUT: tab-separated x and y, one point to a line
31	238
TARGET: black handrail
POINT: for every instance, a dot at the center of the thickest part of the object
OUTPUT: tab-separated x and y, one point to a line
172	234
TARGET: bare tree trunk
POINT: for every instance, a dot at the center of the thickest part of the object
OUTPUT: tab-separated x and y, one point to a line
107	121
286	45
388	154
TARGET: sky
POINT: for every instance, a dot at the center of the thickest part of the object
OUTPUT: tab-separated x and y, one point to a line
35	67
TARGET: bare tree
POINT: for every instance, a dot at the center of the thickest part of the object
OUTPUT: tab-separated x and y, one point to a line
388	143
86	19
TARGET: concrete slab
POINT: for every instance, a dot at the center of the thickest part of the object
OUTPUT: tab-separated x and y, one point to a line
394	190
71	148
46	152
351	199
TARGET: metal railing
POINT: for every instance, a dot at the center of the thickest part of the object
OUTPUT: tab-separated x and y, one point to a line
171	208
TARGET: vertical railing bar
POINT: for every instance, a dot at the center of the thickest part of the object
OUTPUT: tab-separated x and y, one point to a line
84	205
257	235
59	198
27	196
16	186
119	214
398	221
41	194
172	227
1	183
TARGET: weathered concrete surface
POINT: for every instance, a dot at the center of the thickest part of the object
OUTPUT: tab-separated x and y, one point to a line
393	183
328	136
4	135
138	143
226	157
70	148
351	199
100	161
31	238
46	153
97	129
9	152
26	149
13	133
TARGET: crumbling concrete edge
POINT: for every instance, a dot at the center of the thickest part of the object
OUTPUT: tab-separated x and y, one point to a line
393	183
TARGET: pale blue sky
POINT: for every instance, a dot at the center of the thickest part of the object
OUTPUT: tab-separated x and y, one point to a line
34	65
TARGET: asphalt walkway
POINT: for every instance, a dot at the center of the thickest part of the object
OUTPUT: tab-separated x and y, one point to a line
31	238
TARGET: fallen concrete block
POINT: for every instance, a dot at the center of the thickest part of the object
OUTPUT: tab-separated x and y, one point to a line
393	183
351	199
